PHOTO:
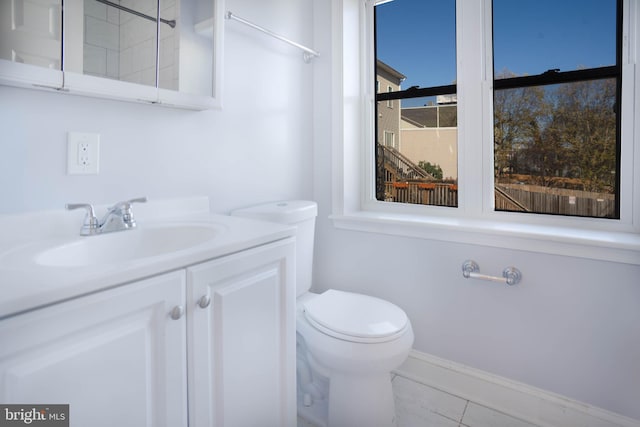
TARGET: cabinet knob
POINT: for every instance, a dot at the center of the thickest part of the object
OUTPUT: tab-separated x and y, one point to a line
177	312
204	301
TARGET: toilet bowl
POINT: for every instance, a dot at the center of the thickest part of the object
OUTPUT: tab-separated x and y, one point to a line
347	343
355	357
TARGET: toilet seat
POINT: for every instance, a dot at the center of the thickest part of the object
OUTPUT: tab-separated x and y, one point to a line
355	317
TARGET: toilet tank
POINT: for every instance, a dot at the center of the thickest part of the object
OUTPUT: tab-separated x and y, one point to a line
301	214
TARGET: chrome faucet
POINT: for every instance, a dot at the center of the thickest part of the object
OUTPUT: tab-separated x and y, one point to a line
118	217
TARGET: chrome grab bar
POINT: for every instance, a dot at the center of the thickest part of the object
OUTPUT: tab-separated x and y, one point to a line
510	275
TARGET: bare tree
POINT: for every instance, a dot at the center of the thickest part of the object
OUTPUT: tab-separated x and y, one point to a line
516	112
585	122
553	132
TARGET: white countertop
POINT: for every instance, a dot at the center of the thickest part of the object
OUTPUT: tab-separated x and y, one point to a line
25	285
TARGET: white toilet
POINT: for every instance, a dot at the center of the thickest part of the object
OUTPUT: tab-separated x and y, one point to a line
348	343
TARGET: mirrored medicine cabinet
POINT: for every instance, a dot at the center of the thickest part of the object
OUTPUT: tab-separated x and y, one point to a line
167	52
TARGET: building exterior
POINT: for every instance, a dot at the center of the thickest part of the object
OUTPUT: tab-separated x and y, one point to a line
388	80
422	134
430	134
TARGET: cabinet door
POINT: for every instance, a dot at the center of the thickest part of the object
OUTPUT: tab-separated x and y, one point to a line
241	346
31	43
31	33
116	357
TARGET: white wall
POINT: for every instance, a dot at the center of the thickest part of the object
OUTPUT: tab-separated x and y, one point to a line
257	148
571	327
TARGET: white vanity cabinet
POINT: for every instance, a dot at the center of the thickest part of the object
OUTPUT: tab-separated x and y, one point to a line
241	339
207	345
116	356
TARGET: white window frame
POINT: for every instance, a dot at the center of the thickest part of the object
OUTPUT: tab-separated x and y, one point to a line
474	221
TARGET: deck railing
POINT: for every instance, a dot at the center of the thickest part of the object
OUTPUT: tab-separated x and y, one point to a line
422	193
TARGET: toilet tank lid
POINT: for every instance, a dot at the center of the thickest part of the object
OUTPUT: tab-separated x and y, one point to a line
283	212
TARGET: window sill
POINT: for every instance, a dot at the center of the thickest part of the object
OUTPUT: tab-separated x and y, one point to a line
622	247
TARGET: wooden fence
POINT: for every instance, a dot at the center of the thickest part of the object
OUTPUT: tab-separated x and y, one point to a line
558	201
509	197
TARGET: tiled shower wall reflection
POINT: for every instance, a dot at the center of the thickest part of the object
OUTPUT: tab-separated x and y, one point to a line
122	46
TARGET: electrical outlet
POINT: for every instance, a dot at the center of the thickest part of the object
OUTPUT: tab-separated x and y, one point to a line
83	153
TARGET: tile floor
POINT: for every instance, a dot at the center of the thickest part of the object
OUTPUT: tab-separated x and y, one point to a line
418	405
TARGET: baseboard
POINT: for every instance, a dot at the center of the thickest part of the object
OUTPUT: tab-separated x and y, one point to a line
519	400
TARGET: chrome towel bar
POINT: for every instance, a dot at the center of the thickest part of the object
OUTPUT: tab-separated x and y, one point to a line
308	54
510	275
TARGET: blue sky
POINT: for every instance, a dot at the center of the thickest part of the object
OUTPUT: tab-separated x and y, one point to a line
417	37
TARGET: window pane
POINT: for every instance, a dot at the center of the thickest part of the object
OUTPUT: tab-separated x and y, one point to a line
417	37
416	137
556	134
555	149
531	37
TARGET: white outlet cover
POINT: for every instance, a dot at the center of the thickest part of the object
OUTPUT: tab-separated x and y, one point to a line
83	153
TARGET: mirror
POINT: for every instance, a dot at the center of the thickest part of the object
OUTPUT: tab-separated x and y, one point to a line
119	40
31	32
192	51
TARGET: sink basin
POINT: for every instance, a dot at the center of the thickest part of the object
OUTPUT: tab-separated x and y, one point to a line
129	245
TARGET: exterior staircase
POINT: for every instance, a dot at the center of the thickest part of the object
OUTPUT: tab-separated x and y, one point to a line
399	168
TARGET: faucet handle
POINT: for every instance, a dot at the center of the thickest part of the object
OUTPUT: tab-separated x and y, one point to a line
126	204
90	225
142	199
124	210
